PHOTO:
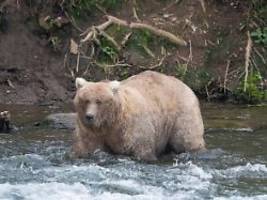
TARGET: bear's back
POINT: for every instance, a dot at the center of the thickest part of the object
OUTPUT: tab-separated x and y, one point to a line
161	88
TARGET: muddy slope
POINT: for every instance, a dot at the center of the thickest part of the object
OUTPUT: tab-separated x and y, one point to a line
32	72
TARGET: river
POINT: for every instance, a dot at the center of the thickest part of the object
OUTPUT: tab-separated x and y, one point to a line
35	162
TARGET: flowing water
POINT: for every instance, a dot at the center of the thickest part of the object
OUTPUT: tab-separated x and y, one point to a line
35	162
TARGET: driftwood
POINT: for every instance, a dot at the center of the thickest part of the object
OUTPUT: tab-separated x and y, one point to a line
247	60
134	25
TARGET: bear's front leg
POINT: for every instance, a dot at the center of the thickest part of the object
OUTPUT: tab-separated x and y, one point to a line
141	140
145	152
84	146
146	156
79	150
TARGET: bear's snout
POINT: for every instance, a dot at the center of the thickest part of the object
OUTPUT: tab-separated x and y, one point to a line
89	117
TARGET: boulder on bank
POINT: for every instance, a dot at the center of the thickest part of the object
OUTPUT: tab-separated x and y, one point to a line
62	120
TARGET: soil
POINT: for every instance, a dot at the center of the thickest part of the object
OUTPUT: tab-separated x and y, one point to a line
33	72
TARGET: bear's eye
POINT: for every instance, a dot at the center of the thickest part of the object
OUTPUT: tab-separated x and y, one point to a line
98	102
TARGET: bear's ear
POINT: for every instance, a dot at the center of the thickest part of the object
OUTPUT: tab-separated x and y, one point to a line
80	82
114	86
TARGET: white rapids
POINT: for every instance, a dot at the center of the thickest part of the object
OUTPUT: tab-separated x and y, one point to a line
33	176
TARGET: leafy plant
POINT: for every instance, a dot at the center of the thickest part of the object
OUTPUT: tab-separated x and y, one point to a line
141	40
180	71
55	42
144	37
197	79
253	92
78	8
259	7
108	52
260	36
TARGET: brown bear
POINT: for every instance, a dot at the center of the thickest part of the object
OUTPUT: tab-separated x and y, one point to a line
141	116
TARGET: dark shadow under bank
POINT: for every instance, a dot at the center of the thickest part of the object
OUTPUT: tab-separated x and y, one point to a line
216	116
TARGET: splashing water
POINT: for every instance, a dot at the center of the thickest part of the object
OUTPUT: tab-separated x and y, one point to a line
34	164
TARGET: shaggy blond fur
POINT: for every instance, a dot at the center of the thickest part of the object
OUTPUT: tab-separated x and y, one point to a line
140	116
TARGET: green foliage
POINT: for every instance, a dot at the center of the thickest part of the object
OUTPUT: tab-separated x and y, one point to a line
79	8
258	13
48	23
180	71
259	7
140	40
108	52
197	79
55	42
117	32
143	37
254	92
260	36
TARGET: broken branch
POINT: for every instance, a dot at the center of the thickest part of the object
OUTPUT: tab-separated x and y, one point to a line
100	27
159	32
110	39
225	75
156	65
134	25
126	38
247	59
105	66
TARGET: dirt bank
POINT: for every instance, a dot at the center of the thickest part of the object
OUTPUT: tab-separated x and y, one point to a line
34	68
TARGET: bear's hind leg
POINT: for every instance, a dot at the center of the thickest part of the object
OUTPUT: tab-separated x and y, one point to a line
188	136
181	144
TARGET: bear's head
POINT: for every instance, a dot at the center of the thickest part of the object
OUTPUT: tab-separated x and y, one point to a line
96	103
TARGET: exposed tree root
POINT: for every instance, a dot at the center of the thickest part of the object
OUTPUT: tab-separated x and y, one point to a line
136	25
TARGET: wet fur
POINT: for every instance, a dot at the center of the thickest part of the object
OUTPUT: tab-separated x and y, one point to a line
143	116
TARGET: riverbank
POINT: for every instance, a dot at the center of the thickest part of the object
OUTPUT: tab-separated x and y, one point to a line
39	59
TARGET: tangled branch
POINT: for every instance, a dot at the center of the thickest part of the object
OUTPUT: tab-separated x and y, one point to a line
136	25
